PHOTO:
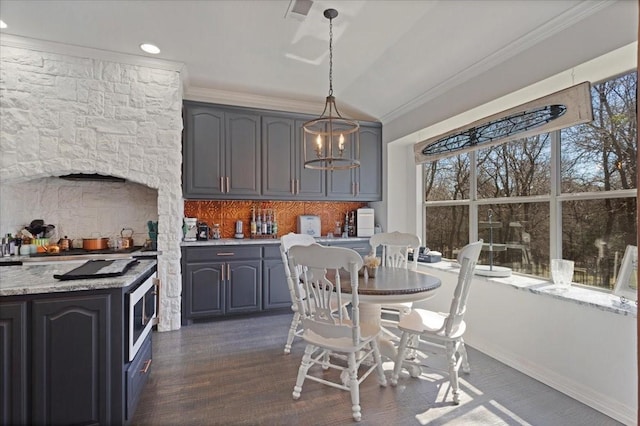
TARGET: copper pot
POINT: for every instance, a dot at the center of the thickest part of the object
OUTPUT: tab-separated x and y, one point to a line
95	243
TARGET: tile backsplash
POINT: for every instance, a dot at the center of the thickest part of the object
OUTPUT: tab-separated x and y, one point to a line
226	213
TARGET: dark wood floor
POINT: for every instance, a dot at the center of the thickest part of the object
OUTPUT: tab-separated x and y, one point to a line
233	372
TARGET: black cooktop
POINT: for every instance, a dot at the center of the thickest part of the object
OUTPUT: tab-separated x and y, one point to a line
80	251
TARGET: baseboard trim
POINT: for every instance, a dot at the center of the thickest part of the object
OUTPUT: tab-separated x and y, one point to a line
588	396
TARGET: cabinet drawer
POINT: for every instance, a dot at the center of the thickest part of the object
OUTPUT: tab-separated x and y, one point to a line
137	375
362	247
272	252
221	253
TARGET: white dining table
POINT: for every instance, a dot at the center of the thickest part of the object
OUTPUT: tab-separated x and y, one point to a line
390	285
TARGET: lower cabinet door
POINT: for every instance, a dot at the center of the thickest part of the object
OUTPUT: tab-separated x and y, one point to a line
13	364
275	291
71	362
244	286
137	375
204	290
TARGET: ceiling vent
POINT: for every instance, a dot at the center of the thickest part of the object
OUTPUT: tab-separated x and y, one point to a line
298	9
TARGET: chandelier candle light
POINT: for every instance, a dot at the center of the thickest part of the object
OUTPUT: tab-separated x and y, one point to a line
331	142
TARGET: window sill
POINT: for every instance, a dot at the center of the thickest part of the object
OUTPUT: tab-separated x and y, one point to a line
576	293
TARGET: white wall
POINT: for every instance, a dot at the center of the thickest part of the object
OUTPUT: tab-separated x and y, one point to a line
80	209
580	350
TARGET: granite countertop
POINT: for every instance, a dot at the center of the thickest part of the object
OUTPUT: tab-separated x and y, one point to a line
261	241
84	257
35	279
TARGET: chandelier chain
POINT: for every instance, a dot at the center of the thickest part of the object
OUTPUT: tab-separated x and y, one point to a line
330	57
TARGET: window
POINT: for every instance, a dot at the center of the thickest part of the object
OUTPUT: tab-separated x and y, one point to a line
566	194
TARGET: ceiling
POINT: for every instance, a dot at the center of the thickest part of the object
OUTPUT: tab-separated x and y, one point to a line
390	57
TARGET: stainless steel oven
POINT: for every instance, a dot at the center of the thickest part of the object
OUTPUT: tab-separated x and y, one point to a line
142	312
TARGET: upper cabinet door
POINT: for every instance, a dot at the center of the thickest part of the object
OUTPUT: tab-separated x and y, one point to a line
279	157
310	184
242	154
363	183
203	152
369	174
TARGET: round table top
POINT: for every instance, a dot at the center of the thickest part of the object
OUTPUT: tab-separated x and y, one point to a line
393	285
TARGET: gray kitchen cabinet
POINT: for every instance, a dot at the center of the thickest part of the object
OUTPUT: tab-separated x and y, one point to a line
13	364
243	153
244	286
363	183
362	247
221	280
283	172
64	360
221	152
71	360
275	290
204	293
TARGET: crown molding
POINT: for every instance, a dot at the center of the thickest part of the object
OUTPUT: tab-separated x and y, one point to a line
554	26
250	100
10	40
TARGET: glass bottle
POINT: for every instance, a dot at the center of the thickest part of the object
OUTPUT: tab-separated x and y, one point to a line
269	223
258	225
253	222
216	231
274	225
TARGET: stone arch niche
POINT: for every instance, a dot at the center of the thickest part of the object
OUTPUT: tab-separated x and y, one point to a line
65	111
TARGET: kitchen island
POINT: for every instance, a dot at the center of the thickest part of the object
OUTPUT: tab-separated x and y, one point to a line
65	345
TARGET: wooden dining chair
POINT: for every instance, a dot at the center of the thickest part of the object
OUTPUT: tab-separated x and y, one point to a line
395	247
424	331
286	242
327	334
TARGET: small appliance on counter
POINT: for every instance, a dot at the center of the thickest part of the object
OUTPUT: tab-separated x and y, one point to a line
309	224
190	228
365	222
203	232
239	232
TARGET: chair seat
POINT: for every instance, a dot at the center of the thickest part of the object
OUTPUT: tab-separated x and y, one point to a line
423	321
368	333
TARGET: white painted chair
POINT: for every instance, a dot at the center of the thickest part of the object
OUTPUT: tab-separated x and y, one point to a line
329	334
395	254
286	242
424	331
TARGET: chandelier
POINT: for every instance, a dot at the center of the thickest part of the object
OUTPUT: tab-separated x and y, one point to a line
331	142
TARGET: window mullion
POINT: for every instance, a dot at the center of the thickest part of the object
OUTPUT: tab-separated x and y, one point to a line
555	206
473	197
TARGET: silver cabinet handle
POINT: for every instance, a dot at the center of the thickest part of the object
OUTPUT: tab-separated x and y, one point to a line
297	186
228	272
291	188
227	184
222	184
223	272
357	188
226	253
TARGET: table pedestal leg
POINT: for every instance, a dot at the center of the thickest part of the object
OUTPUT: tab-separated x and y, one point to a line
370	314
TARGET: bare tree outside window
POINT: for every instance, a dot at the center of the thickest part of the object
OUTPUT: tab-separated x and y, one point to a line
596	202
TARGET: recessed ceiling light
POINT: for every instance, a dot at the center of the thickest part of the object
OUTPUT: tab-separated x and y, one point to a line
2	24
150	48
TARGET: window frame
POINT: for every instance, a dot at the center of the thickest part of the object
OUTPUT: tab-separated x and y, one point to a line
555	198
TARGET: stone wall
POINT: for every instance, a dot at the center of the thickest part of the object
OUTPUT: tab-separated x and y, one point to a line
67	113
